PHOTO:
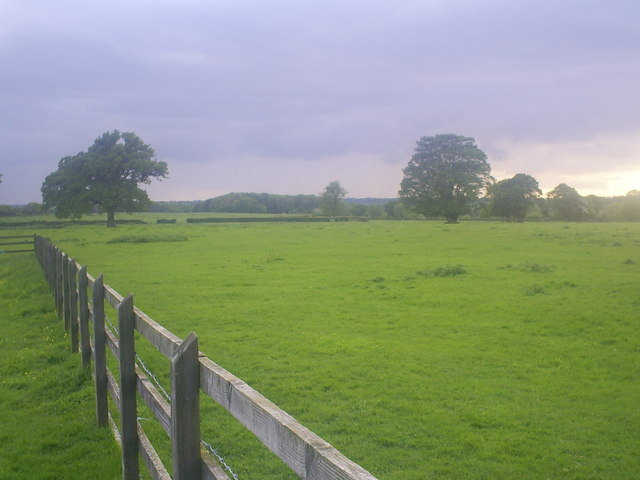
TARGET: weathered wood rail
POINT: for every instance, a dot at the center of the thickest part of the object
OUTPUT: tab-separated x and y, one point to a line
308	455
14	240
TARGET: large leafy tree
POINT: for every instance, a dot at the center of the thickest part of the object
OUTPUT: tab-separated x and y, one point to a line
331	198
512	198
445	175
567	204
106	176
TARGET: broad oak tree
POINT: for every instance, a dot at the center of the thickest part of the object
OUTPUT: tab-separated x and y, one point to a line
445	175
106	177
511	198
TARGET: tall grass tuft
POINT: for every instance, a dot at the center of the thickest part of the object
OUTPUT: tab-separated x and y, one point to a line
444	271
530	267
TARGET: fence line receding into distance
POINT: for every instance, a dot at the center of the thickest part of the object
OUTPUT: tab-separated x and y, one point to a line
309	456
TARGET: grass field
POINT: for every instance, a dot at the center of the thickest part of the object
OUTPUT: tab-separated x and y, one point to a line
418	349
47	426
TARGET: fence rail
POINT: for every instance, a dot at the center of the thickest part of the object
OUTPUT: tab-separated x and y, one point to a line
17	240
308	455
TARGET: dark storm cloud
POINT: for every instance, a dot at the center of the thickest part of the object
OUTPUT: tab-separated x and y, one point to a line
222	89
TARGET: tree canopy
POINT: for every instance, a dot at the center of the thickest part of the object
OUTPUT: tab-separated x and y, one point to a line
445	175
511	198
331	198
105	177
260	203
567	204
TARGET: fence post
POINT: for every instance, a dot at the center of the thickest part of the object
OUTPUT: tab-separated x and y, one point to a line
65	292
99	354
43	249
48	252
51	261
185	411
41	252
129	408
37	252
53	254
59	283
83	302
73	304
56	282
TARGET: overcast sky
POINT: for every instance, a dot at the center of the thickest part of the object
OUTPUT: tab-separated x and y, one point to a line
285	96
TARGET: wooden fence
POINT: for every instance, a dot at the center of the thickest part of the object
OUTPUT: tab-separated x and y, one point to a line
309	456
14	240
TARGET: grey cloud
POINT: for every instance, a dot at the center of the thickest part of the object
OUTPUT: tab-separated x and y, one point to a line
206	82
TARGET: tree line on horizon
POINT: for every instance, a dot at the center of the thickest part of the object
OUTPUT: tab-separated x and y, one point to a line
563	203
447	176
565	206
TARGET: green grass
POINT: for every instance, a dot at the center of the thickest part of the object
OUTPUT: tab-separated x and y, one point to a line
47	427
525	364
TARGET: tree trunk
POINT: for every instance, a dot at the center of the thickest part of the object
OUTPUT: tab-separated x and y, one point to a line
111	219
451	218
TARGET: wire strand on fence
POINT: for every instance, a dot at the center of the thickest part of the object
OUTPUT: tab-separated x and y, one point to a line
166	395
159	386
153	378
215	453
208	446
113	327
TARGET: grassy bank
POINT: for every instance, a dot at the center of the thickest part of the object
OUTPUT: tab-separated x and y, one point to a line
419	349
47	427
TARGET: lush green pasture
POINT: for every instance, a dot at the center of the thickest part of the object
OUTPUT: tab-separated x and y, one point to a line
418	349
47	427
